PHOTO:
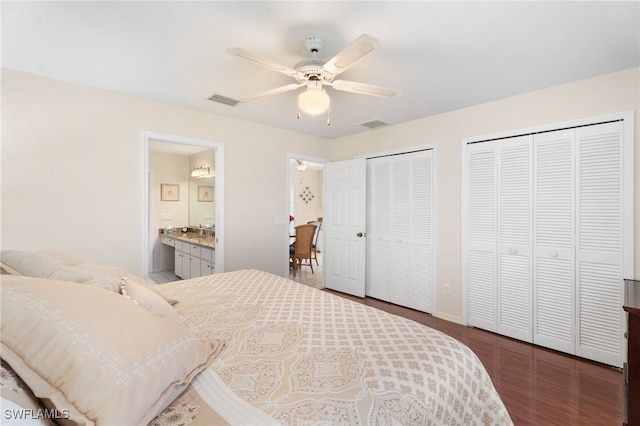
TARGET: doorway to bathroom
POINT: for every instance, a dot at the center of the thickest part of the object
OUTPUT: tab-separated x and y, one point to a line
183	188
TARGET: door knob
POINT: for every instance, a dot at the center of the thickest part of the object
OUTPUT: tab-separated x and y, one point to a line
359	235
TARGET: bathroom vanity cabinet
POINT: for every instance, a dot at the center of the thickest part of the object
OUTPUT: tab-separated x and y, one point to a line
192	258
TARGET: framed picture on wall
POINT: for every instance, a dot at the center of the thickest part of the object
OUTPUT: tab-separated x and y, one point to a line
169	192
205	193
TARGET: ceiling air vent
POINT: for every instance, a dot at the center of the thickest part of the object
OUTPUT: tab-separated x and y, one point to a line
223	100
373	124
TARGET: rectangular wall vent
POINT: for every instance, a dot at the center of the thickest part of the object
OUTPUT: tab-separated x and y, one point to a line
374	124
223	100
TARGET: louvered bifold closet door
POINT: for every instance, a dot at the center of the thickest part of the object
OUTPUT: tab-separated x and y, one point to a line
400	238
421	262
554	290
515	293
400	229
482	235
599	253
378	229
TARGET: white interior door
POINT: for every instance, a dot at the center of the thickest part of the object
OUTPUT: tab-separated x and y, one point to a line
564	235
599	243
481	234
554	240
344	226
378	224
515	293
400	229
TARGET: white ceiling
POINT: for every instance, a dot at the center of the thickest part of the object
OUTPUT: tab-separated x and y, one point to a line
441	55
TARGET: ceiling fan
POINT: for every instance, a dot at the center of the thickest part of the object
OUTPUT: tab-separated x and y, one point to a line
315	73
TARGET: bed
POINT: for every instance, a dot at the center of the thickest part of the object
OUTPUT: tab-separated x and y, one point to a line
267	351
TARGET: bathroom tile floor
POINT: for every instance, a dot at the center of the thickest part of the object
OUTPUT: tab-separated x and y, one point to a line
162	277
303	276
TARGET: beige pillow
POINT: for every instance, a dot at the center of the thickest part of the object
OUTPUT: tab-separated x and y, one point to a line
32	263
59	266
151	301
141	282
95	355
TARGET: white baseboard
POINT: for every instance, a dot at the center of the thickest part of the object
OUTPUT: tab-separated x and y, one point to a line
448	317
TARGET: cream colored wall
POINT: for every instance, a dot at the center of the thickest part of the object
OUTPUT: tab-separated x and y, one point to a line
166	168
602	95
312	210
84	150
84	146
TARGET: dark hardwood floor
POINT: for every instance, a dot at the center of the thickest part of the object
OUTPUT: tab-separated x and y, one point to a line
538	386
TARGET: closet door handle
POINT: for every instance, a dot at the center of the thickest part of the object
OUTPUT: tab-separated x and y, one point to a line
553	254
513	250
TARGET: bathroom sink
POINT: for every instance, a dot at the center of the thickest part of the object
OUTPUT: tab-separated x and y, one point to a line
199	240
196	239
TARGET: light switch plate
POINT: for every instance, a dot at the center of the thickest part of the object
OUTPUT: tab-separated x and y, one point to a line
166	216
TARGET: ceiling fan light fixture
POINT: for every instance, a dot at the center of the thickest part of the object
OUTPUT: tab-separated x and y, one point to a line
301	165
314	73
314	101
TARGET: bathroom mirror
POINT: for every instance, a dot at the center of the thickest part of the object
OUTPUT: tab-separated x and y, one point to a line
201	204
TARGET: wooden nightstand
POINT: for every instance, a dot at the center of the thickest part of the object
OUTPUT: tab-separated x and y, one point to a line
631	411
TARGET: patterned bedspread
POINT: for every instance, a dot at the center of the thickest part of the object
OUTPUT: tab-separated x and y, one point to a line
297	355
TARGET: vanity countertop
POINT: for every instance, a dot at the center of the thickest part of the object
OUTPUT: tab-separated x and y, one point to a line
193	238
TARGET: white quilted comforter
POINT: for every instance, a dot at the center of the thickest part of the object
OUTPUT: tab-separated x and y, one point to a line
297	355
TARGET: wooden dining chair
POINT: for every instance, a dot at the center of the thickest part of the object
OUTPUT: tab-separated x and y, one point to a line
300	250
314	249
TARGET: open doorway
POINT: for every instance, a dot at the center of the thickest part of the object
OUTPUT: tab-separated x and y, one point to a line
305	204
185	205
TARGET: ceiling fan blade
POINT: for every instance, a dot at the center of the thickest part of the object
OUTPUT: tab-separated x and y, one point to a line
363	88
267	63
276	91
350	55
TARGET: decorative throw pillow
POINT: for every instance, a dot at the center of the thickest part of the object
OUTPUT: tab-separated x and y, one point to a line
149	299
93	354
